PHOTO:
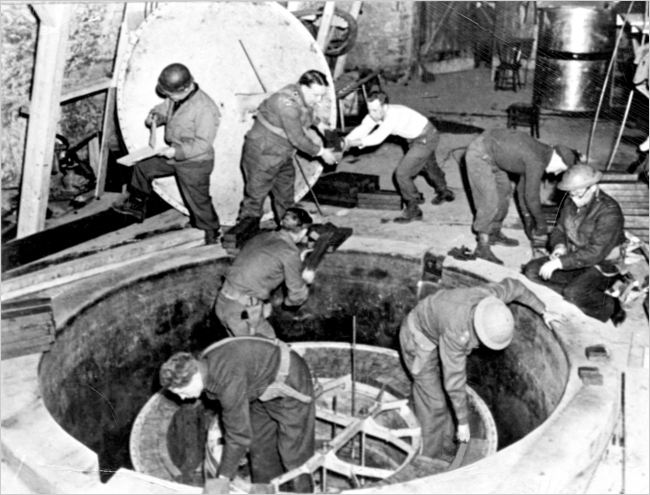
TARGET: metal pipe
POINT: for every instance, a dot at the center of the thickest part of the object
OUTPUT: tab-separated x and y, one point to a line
602	93
621	130
353	364
252	66
304	176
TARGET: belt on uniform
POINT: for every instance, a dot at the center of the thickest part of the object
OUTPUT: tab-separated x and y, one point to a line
278	131
428	127
278	388
229	292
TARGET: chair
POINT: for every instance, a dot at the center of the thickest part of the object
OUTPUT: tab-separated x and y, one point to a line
524	114
507	72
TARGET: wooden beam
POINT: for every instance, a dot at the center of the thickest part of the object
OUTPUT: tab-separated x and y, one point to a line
44	15
93	88
46	93
339	68
325	24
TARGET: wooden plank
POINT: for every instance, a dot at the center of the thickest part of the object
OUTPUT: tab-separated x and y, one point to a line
619	177
624	186
93	154
26	303
636	222
325	23
81	92
26	335
28	321
637	420
39	148
8	352
339	68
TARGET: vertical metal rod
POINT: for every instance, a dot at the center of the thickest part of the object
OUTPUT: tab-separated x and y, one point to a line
323	486
354	374
602	93
259	79
334	411
621	130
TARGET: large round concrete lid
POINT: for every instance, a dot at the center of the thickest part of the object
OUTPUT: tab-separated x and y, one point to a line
223	44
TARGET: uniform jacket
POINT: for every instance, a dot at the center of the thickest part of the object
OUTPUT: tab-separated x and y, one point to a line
590	233
191	128
287	110
446	318
264	263
518	153
236	374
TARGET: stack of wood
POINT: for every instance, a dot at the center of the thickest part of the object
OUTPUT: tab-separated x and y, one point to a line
383	200
27	327
630	193
343	188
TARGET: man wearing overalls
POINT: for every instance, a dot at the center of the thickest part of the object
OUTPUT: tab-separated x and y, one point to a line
265	391
264	262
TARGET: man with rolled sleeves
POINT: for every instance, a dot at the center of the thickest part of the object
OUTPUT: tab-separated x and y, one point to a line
490	159
280	128
437	336
191	119
266	396
265	261
587	247
422	138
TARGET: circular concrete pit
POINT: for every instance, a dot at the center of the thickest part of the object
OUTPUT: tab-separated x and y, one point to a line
103	367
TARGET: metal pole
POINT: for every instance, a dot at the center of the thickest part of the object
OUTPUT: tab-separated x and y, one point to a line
602	93
295	160
354	348
252	66
621	130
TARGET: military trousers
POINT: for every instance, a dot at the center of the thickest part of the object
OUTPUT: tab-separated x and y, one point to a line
231	315
193	181
490	186
584	287
268	169
428	397
420	157
284	431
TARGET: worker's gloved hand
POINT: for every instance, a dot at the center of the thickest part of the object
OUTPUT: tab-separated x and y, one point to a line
328	156
463	433
547	269
217	486
267	310
308	276
559	250
168	152
151	119
550	318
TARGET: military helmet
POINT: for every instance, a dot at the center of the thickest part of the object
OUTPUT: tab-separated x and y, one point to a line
494	323
579	177
174	78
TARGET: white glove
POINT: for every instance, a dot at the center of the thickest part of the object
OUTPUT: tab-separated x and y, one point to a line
463	433
547	269
559	250
308	276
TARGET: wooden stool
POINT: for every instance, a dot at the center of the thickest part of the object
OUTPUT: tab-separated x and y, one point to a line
524	114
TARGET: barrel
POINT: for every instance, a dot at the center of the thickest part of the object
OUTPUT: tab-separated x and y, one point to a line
575	45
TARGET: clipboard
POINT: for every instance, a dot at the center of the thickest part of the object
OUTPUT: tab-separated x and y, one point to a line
139	155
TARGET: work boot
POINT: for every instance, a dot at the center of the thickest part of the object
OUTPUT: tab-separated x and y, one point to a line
135	206
483	250
410	213
500	238
445	196
212	236
619	313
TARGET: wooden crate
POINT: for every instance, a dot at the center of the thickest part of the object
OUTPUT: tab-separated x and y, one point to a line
27	327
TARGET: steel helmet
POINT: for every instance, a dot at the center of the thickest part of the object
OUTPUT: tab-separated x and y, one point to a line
579	177
174	78
494	323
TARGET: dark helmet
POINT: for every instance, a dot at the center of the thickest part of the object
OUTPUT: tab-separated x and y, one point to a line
296	219
174	78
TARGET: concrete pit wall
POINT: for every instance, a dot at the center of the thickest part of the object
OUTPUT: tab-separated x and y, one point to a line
103	367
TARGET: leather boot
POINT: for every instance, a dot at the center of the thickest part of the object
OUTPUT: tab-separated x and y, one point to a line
212	236
443	197
410	213
500	238
135	206
483	250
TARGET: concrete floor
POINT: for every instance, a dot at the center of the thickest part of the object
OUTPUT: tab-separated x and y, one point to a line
468	98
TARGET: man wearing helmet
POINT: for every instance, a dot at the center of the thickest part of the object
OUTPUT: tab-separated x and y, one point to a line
269	147
490	161
264	262
437	336
265	393
191	119
585	246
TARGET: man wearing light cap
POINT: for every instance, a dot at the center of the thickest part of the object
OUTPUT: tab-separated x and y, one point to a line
490	160
191	119
437	336
264	262
586	247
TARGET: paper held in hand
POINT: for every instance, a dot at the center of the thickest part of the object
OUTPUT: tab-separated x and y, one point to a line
138	155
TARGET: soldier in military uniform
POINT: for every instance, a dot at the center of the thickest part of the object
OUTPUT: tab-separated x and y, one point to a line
269	147
435	339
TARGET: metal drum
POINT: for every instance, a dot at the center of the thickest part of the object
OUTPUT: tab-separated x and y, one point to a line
574	48
236	52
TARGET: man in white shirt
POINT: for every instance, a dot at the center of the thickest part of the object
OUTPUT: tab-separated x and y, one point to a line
422	138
